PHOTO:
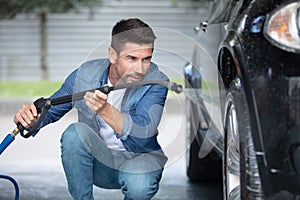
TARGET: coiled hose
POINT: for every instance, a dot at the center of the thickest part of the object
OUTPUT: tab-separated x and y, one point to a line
14	182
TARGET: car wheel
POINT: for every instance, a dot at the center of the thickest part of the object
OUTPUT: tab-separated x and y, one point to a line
240	169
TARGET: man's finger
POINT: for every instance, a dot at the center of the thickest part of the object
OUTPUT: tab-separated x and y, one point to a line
33	110
101	95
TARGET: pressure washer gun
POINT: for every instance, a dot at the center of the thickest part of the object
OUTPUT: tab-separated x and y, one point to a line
43	105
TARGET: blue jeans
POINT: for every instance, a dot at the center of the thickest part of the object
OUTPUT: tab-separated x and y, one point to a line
87	162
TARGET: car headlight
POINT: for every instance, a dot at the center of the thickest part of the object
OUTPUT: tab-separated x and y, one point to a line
282	27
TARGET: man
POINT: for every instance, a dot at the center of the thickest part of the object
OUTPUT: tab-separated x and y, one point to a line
114	144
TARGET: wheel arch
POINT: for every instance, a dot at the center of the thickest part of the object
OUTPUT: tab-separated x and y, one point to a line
230	60
229	65
226	67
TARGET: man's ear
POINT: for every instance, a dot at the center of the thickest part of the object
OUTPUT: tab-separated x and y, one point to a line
112	55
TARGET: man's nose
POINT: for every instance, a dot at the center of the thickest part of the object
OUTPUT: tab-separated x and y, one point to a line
139	66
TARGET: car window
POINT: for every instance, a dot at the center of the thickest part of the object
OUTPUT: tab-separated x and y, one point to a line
220	11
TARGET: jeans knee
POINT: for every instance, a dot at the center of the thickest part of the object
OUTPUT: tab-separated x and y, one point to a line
73	137
69	136
139	186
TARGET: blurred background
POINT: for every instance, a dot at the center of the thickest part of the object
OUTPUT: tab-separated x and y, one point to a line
53	38
41	42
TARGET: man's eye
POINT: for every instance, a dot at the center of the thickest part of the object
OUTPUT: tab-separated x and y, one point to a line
147	59
131	58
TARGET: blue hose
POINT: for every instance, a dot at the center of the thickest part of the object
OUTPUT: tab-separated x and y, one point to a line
6	142
14	182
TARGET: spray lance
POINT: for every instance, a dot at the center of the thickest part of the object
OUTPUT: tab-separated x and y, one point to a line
44	104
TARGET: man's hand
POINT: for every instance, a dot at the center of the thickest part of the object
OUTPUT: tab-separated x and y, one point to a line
26	115
96	101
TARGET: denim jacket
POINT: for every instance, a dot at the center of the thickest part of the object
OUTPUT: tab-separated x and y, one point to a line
142	107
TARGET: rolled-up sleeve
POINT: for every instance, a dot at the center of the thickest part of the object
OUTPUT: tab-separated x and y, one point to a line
127	126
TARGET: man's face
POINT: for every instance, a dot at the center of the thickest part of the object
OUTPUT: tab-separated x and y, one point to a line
131	64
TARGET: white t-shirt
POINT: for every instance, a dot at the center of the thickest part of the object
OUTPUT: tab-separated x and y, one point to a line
115	98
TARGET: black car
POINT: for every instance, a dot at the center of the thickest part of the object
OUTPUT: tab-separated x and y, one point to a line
246	133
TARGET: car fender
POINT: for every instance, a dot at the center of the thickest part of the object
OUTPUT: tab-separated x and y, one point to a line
231	46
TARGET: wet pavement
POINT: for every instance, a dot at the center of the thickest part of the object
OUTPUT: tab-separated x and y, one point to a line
48	182
35	164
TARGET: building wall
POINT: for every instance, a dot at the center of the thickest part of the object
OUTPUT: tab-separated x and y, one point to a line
75	37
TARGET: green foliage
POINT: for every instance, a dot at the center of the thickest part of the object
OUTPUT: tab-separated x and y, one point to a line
28	89
10	8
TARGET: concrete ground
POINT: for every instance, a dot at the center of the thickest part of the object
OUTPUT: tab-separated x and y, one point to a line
35	162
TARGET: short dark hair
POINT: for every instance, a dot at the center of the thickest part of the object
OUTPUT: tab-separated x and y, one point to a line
131	30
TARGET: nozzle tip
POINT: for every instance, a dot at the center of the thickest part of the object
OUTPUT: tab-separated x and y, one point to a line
175	87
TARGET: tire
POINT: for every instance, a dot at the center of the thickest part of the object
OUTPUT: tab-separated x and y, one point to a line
239	159
207	169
